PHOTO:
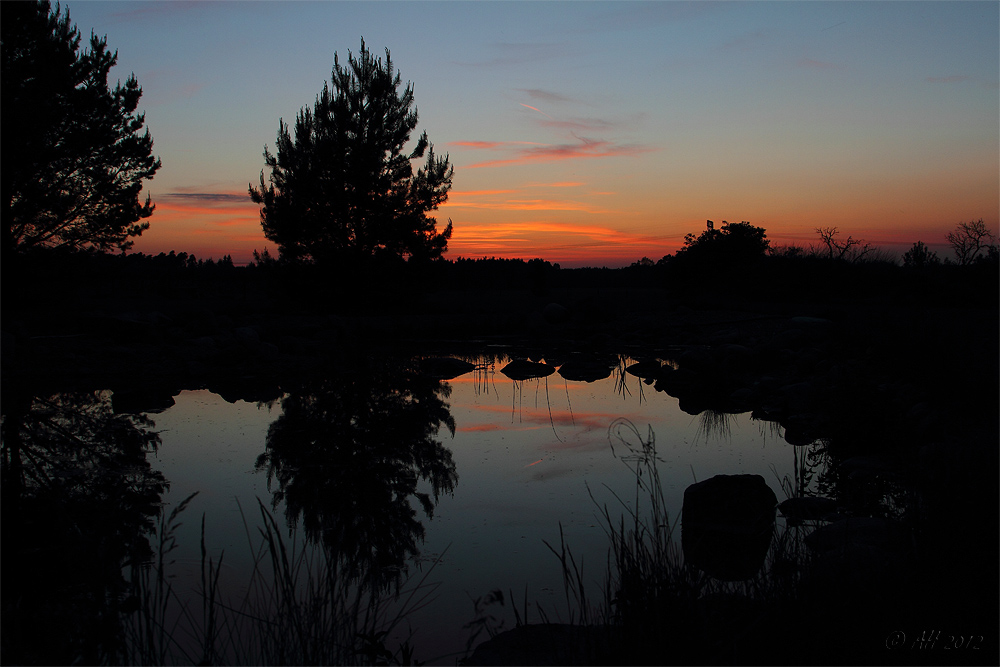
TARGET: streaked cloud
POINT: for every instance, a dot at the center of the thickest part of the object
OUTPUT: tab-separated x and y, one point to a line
566	243
562	184
546	95
584	149
585	124
479	428
209	209
493	144
528	106
526	198
506	204
232	197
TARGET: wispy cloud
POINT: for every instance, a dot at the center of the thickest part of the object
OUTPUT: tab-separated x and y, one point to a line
555	241
579	124
534	196
493	144
954	78
584	148
560	184
204	197
546	95
217	209
530	205
518	200
528	106
477	193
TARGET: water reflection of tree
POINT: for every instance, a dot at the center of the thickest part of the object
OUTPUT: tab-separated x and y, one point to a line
349	452
79	499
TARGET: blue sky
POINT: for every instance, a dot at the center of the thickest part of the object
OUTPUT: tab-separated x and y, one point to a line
592	133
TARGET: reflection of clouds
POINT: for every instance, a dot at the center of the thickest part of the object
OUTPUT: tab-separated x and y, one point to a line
536	417
543	474
478	428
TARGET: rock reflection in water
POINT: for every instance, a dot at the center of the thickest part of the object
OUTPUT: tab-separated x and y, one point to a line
349	453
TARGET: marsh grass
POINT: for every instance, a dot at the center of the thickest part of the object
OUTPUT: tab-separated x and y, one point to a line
654	607
298	607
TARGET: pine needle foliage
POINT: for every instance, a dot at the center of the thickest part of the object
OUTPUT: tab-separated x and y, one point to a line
344	187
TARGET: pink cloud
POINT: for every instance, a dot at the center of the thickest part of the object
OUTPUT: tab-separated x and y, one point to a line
525	205
585	149
591	124
493	144
546	95
562	184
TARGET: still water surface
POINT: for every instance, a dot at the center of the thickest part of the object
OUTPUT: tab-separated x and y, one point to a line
526	457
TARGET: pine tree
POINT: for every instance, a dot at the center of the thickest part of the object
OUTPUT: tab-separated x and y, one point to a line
73	156
343	188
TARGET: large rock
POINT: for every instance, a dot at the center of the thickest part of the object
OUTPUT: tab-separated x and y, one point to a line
726	526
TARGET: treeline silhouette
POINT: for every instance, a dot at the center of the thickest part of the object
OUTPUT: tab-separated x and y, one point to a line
695	273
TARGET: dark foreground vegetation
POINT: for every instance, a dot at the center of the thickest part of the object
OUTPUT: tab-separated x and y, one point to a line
897	365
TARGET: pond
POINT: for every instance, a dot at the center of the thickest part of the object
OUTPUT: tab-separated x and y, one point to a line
453	486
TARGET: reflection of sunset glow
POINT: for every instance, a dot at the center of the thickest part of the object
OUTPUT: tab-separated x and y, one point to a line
478	428
542	416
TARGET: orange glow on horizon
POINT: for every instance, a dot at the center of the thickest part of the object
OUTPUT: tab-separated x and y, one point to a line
560	221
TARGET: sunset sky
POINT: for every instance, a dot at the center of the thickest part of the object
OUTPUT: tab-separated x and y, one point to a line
591	133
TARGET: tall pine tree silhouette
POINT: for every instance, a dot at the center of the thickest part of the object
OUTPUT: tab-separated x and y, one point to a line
343	189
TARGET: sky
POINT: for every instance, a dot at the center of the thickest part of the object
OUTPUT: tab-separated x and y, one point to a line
591	133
